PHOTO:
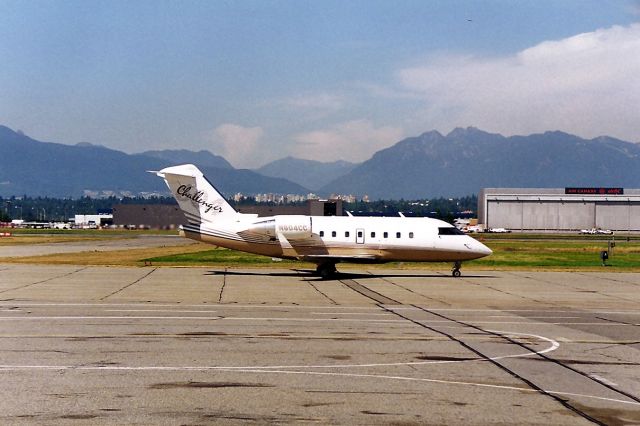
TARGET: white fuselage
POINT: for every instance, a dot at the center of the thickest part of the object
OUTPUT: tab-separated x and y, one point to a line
324	240
342	238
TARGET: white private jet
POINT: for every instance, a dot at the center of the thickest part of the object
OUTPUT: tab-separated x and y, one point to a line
323	240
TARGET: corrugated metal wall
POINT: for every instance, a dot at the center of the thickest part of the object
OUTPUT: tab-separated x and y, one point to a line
563	215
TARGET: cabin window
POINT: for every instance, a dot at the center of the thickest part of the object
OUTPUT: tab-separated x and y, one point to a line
322	233
385	235
410	234
398	234
450	231
373	235
359	234
346	234
333	233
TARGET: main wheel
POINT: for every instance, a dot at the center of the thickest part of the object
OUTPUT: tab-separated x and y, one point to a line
326	270
456	273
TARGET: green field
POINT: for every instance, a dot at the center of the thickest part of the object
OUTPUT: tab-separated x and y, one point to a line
510	251
88	232
578	253
529	252
219	256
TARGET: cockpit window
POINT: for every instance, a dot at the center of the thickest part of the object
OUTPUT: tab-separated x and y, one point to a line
450	231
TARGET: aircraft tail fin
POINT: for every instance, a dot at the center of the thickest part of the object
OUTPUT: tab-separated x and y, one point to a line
196	196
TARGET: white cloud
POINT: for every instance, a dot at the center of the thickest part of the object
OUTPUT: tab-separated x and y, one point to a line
237	144
354	140
587	84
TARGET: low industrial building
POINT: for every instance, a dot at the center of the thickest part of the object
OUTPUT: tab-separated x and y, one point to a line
310	208
163	216
93	220
155	216
560	209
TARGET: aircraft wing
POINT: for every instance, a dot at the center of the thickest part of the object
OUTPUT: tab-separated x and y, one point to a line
305	249
344	257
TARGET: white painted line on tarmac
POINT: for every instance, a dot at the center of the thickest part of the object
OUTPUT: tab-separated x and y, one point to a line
603	380
372	307
314	319
448	382
608	324
553	345
553	311
267	319
333	374
111	317
528	317
178	305
353	313
168	317
157	310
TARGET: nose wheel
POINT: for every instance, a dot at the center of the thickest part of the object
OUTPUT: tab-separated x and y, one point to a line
455	271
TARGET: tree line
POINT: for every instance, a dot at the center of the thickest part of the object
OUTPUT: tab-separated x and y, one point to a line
440	208
46	209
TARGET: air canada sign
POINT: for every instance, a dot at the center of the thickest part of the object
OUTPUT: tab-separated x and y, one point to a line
594	191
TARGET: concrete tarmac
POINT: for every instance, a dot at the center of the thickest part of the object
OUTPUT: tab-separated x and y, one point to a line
104	245
111	345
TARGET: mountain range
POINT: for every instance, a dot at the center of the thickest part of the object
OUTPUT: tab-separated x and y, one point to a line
466	160
430	165
35	168
308	173
183	156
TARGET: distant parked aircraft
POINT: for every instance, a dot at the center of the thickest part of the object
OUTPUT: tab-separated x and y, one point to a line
323	240
594	231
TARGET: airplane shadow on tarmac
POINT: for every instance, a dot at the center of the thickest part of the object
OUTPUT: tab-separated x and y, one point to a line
310	275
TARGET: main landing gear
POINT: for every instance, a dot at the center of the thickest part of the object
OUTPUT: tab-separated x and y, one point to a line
455	271
326	270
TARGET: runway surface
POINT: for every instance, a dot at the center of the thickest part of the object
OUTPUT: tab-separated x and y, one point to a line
104	245
108	345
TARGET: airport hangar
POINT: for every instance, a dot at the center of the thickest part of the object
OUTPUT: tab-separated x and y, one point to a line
560	209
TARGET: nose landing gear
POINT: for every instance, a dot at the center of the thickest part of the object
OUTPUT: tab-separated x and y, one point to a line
455	271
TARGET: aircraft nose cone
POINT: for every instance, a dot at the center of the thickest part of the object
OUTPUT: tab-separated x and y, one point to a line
481	249
485	250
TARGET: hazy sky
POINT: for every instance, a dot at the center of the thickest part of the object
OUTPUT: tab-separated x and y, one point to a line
255	81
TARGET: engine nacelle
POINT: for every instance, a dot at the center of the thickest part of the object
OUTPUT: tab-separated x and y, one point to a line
293	227
265	227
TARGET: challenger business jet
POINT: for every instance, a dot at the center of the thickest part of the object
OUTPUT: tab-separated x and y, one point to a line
323	240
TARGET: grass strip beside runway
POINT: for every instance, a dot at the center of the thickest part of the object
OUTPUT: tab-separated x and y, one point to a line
547	254
510	252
